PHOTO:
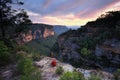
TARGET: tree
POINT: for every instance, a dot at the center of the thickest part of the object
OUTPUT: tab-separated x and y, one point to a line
85	52
4	54
11	17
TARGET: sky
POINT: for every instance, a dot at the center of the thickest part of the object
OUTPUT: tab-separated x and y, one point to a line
68	12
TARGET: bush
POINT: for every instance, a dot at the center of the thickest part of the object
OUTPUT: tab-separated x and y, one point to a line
71	76
59	70
25	66
28	71
85	51
93	77
4	54
22	48
36	56
35	76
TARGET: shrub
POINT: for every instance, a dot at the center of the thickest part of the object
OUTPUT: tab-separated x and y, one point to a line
71	76
25	66
59	70
35	76
22	48
36	56
85	51
27	71
93	77
4	54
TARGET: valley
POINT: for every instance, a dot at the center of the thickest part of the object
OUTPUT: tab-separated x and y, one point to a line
75	41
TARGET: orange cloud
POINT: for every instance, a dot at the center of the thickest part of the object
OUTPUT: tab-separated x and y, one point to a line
72	19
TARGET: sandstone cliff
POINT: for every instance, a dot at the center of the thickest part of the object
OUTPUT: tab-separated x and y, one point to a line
35	32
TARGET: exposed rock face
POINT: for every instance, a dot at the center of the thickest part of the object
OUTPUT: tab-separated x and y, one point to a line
98	43
27	37
107	53
48	32
48	72
109	49
35	32
68	49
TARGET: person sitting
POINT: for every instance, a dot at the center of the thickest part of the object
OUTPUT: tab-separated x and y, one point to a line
54	63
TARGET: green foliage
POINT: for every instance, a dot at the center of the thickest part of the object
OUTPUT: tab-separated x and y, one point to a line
117	74
59	70
42	46
85	52
22	28
4	54
22	48
36	56
35	76
11	17
71	76
27	71
93	77
21	56
55	47
105	35
25	66
88	42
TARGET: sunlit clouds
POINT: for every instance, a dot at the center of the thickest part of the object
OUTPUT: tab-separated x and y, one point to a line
68	12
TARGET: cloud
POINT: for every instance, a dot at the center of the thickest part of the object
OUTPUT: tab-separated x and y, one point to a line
97	8
68	12
47	3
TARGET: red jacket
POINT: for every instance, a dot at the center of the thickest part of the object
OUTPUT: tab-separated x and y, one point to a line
54	63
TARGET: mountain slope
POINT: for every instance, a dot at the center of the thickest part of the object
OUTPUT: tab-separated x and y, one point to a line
95	45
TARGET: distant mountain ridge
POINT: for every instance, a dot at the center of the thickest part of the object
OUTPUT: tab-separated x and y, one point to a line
39	31
59	29
35	32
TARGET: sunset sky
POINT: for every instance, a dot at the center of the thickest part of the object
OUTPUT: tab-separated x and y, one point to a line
68	12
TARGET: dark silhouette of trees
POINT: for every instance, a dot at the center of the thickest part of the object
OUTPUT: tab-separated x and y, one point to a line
106	20
10	17
110	18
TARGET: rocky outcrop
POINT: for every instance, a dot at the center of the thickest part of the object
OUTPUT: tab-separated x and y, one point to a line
68	49
35	32
49	72
48	32
98	43
110	50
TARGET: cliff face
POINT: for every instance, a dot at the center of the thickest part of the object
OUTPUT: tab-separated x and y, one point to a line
103	54
48	32
35	32
95	45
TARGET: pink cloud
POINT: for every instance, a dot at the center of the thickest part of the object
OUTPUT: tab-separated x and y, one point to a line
96	13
